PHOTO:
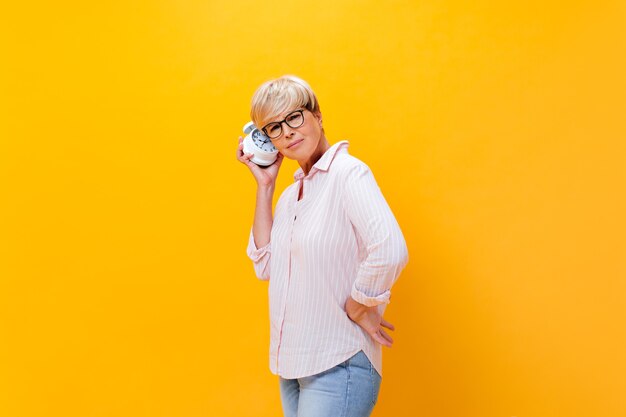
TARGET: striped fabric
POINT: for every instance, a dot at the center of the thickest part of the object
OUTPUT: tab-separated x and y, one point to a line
340	239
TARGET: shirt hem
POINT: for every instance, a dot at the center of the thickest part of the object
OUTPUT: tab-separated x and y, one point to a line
315	371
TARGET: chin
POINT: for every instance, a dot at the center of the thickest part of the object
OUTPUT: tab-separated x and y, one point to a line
301	153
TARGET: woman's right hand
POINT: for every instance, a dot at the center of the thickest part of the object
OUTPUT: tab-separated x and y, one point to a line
264	176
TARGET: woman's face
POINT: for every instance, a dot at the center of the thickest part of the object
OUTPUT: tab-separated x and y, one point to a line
301	142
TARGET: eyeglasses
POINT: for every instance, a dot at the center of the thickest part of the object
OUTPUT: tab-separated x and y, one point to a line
293	120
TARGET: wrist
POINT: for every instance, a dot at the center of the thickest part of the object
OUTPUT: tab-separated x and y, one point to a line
355	309
266	188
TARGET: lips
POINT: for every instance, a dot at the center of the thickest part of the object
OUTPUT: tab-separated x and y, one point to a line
295	143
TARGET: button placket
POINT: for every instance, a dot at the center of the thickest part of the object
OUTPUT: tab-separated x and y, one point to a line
294	206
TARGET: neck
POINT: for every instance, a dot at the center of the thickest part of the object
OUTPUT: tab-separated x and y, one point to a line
322	147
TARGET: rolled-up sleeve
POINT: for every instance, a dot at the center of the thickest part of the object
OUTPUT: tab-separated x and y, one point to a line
387	253
260	258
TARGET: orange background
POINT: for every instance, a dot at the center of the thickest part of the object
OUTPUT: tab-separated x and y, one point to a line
495	130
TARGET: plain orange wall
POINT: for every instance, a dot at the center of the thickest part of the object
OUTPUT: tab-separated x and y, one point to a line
495	130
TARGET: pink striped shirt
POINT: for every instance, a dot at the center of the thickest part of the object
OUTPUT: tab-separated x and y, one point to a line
340	239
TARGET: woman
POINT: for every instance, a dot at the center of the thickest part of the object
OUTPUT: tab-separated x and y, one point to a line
333	250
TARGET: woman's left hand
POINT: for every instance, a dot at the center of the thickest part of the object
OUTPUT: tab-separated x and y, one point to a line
370	320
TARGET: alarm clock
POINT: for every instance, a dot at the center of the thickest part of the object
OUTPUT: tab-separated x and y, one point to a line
258	144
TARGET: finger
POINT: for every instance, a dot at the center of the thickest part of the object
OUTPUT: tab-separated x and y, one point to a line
385	336
386	324
245	158
240	148
244	155
379	339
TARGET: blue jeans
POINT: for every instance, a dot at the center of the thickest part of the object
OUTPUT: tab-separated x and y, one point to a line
349	389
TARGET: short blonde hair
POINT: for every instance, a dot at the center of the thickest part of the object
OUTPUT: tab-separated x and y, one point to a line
276	96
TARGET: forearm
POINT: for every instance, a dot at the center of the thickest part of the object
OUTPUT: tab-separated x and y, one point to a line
386	248
263	218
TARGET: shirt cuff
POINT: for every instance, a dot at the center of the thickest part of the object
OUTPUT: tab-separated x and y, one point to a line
362	298
255	253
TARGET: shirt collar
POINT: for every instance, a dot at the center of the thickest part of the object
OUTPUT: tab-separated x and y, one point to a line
323	164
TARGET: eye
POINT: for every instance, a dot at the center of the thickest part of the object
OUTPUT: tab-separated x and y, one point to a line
273	129
293	116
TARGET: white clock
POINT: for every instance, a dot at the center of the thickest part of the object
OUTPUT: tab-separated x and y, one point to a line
258	144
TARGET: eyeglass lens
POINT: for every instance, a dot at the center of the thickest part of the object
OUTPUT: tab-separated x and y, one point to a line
293	120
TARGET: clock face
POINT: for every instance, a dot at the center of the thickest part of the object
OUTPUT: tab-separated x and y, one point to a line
262	141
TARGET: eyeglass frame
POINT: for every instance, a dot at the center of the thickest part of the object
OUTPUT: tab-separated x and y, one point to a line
280	124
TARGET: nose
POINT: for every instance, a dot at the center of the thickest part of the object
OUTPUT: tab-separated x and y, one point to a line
287	131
